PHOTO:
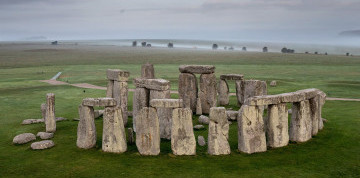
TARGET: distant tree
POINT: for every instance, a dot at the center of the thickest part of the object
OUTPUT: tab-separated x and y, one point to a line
306	52
215	46
284	50
316	52
290	51
134	43
54	42
244	48
225	47
326	53
170	45
265	49
347	54
143	44
231	48
148	45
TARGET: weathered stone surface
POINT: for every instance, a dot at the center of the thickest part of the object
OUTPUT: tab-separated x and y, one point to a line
322	98
315	114
114	137
251	131
204	120
231	77
197	69
198	106
273	83
223	93
98	113
182	135
147	71
201	140
120	94
309	93
263	100
148	132
86	131
199	127
101	102
24	138
164	114
32	121
45	135
277	126
254	88
58	119
45	144
50	121
140	100
166	103
207	93
109	89
301	124
232	115
130	114
239	86
130	136
152	84
188	90
118	75
218	132
43	110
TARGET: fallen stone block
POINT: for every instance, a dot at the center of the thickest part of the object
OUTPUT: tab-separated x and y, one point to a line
223	93
199	127
50	121
24	138
204	120
45	144
45	135
201	140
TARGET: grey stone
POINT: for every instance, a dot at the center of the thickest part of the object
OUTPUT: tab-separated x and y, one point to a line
218	134
188	90
223	93
98	113
58	119
114	137
290	111
277	126
198	106
148	132
43	110
239	85
207	93
50	121
232	77
254	88
273	83
118	75
120	94
263	100
109	89
251	130
41	145
24	138
232	115
322	98
164	114
130	136
199	127
147	71
201	140
152	84
197	69
204	120
300	125
32	121
166	103
100	102
315	114
309	93
140	100
182	135
86	131
45	135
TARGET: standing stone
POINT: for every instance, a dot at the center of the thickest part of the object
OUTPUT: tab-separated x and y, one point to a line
322	97
277	126
300	125
251	131
314	114
164	114
109	90
218	132
201	140
239	85
140	100
223	93
148	132
43	110
86	131
182	135
273	83
188	90
147	71
50	121
130	136
254	88
120	94
113	138
207	93
198	106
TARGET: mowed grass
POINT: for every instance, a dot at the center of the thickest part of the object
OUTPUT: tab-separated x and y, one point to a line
334	152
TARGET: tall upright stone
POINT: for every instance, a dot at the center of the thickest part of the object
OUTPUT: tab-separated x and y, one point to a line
254	88
198	107
114	137
188	90
43	110
218	134
182	135
140	100
277	126
50	121
223	93
164	114
239	85
301	124
86	131
120	95
251	131
147	71
148	132
207	93
314	114
110	88
322	98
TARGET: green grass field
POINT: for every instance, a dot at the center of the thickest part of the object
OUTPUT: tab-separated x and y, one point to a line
334	152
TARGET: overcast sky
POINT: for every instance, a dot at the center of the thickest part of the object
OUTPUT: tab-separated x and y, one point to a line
266	20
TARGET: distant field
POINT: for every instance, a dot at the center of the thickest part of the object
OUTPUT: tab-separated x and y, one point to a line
335	152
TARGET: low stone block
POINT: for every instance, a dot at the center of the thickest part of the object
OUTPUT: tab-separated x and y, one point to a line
45	135
45	144
152	84
204	120
199	127
118	75
218	134
201	140
231	77
232	115
166	103
101	102
32	121
24	138
197	69
182	135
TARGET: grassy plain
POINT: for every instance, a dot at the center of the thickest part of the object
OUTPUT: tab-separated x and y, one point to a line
334	152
